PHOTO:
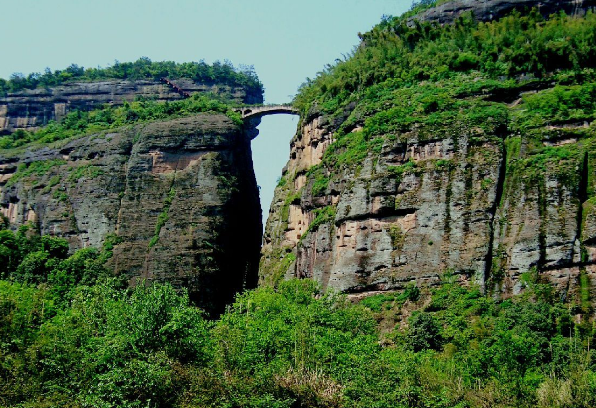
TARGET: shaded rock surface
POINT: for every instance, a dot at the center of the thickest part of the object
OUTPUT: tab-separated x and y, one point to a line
178	199
386	231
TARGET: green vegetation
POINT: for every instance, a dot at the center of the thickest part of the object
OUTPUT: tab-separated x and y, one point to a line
444	82
290	199
28	171
323	215
522	84
397	237
386	301
143	68
562	104
55	180
32	259
274	276
70	336
78	123
320	186
88	171
400	56
411	167
421	5
60	196
281	182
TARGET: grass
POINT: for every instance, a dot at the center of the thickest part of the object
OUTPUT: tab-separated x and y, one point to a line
320	186
88	171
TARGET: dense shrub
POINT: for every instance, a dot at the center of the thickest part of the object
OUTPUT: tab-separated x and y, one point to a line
105	345
515	46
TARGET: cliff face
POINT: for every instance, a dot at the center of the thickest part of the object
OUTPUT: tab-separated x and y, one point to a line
178	201
458	204
469	176
32	108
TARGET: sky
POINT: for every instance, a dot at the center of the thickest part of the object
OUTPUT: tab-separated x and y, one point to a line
286	42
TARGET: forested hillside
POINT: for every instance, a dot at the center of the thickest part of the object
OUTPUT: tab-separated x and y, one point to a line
143	68
74	337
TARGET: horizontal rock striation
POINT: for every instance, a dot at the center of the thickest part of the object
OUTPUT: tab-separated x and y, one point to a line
420	176
463	202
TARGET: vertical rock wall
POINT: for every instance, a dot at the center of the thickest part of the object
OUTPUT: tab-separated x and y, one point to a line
476	205
179	199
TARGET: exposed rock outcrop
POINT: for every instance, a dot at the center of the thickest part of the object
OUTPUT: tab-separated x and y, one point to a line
178	199
32	108
382	191
487	10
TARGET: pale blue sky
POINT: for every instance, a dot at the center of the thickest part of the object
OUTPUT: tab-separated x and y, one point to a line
286	41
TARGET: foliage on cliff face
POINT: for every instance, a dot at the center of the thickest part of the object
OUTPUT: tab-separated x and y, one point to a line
69	341
79	123
143	68
438	79
521	88
434	77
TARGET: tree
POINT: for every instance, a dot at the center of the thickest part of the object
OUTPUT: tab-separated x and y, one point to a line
424	332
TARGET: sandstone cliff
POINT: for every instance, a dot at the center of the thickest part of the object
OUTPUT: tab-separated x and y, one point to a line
456	206
403	183
177	200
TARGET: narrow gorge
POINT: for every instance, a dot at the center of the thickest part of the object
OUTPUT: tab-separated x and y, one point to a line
431	242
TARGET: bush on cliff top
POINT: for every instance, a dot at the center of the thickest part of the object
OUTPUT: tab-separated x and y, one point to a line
511	47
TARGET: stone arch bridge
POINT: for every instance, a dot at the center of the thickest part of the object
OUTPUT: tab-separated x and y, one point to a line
249	112
251	115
